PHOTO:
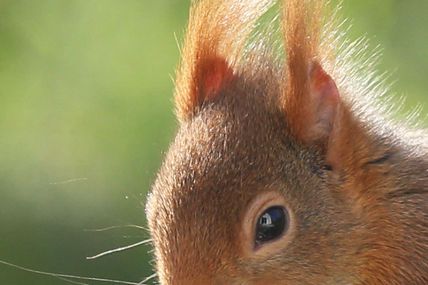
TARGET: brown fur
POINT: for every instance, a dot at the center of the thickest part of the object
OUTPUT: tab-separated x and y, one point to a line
358	191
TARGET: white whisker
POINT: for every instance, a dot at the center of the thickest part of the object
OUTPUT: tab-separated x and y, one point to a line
148	279
116	227
72	281
69	181
67	276
119	249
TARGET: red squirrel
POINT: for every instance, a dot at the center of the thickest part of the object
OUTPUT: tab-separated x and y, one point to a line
286	169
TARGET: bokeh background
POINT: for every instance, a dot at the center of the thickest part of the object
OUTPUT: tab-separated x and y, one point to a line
86	114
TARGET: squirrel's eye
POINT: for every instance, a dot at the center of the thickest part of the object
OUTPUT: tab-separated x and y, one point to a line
271	224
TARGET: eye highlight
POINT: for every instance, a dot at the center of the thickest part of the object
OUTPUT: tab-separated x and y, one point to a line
271	225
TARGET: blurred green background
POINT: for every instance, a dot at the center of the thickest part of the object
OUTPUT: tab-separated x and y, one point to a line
86	114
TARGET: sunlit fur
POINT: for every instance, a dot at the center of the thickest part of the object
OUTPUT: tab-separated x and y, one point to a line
359	196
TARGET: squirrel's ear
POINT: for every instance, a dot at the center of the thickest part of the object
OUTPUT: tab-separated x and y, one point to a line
316	115
216	35
312	102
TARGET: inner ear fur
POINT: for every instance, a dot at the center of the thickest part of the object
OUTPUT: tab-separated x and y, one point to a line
213	74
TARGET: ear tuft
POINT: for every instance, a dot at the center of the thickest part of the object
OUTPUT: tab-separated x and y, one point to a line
311	97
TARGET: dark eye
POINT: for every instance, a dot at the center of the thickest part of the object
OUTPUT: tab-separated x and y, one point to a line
271	224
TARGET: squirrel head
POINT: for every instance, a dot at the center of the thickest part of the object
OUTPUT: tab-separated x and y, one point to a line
230	164
271	179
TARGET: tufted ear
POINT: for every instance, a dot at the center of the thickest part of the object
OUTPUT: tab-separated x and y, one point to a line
215	39
315	111
311	98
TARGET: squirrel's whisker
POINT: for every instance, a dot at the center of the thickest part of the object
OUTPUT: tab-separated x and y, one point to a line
116	227
108	252
67	276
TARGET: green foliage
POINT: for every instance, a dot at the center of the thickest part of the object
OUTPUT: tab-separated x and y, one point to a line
86	113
